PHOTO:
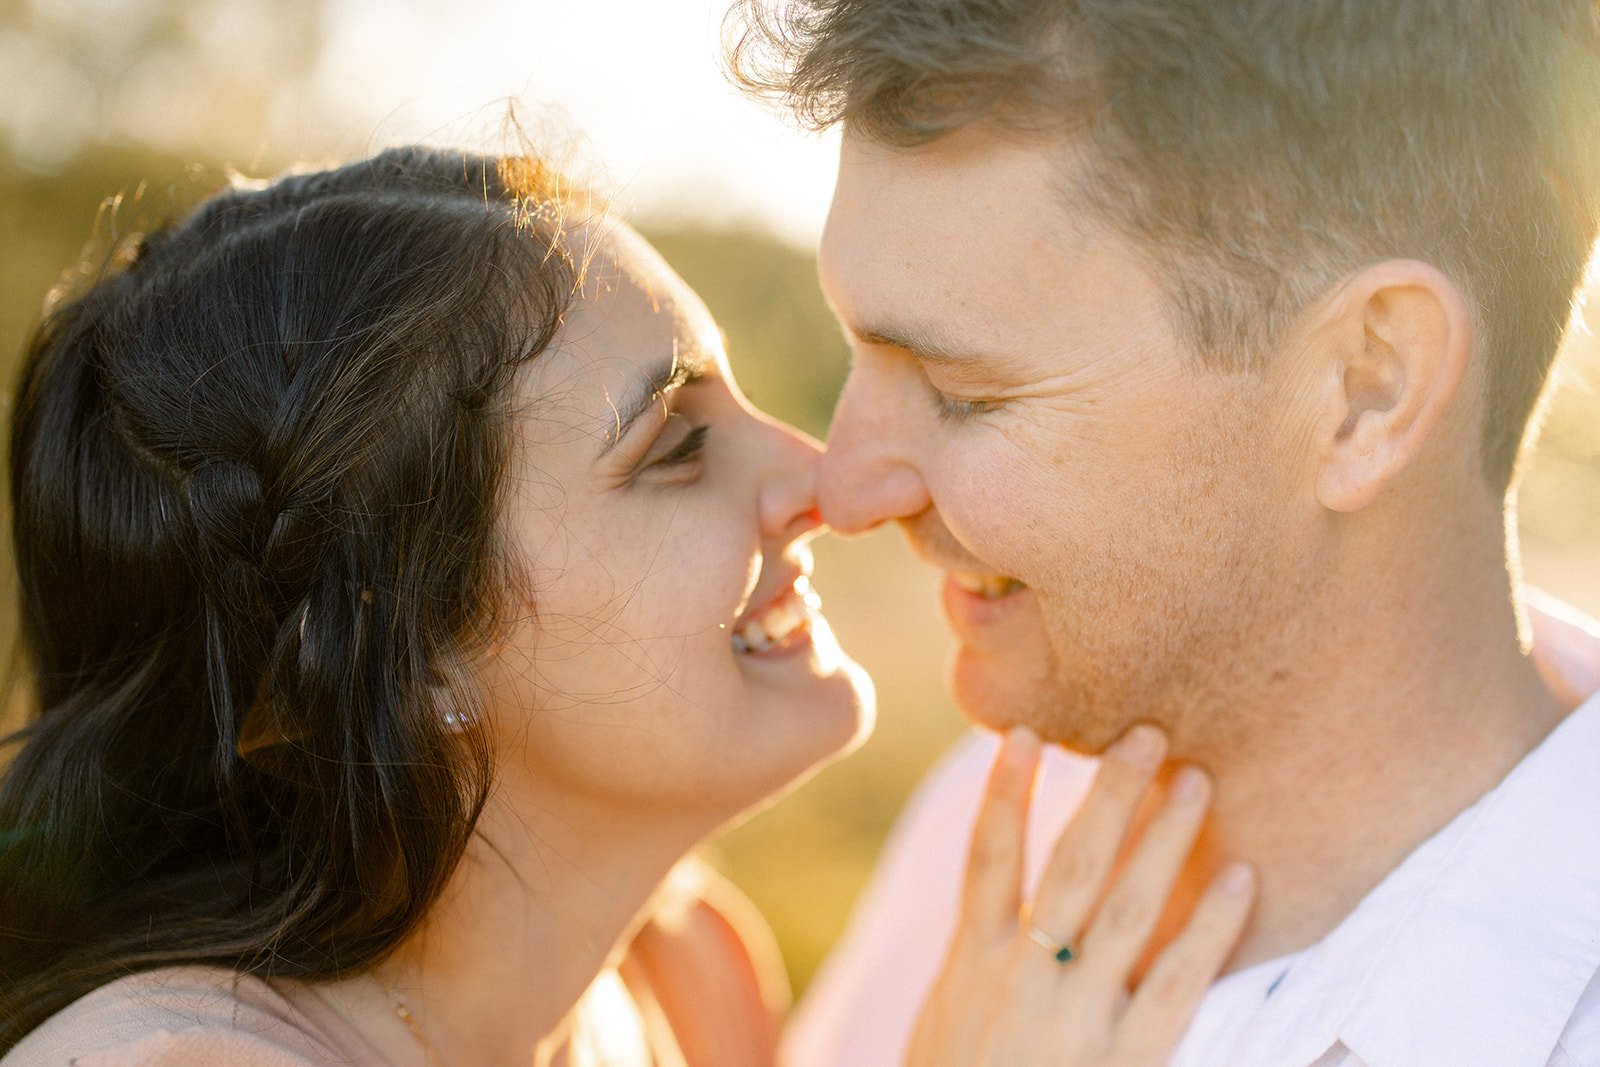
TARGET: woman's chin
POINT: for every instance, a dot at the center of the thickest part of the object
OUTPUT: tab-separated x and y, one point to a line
866	707
839	715
818	688
832	719
849	701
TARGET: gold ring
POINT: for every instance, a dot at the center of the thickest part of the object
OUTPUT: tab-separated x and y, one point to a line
1061	951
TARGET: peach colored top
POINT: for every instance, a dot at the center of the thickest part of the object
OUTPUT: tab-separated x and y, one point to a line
192	1016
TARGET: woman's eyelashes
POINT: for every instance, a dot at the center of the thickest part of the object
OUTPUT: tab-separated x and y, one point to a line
679	459
686	449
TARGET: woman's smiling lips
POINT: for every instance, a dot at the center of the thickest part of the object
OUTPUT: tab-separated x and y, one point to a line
782	624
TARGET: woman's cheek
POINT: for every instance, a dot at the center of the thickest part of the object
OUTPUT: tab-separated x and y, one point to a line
702	564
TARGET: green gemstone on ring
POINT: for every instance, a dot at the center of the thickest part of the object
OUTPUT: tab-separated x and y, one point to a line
1059	951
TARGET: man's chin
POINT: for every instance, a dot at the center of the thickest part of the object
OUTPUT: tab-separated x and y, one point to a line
998	693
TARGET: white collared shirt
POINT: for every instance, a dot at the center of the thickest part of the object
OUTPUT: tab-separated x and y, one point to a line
1482	949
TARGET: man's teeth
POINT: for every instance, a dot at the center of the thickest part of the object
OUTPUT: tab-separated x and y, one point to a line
786	615
988	586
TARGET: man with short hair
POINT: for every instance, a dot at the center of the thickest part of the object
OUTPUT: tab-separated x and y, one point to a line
1196	340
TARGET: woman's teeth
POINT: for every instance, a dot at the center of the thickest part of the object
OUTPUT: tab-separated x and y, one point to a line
786	616
988	586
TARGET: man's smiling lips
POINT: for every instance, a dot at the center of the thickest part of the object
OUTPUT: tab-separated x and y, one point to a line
988	586
967	573
973	596
976	602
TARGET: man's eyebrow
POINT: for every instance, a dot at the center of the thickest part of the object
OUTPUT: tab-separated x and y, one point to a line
671	373
926	345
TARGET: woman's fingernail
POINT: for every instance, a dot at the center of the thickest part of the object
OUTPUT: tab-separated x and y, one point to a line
1140	747
1020	735
1189	785
1019	746
1237	879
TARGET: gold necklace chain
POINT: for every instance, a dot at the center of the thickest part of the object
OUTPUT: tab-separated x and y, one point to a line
403	1010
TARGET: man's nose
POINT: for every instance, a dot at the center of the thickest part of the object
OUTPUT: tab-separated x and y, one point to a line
870	473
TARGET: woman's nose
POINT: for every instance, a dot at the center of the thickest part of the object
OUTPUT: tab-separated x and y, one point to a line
789	490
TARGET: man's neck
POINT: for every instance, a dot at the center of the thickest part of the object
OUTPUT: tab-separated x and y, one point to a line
1370	750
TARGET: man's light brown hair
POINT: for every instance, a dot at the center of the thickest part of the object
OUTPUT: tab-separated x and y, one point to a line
1258	151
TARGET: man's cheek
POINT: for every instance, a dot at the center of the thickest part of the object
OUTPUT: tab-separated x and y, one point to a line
1006	506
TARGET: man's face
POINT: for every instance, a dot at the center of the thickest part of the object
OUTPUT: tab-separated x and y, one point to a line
1124	530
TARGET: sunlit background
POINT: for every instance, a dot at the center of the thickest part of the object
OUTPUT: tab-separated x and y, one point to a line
158	99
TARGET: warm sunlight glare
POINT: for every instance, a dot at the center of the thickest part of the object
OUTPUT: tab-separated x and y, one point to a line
640	79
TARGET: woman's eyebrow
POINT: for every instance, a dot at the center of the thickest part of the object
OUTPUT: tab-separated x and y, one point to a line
671	373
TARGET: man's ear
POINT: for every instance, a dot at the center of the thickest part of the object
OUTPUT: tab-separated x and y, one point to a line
1397	338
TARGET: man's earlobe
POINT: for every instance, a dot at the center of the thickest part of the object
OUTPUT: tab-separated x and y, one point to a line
1398	337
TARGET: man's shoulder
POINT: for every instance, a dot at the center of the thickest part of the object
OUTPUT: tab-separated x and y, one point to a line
1579	1045
1481	947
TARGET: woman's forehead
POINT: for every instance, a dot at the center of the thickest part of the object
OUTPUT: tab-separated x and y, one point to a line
633	320
632	307
617	254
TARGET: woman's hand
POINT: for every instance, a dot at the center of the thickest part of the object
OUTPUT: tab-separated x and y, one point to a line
1050	988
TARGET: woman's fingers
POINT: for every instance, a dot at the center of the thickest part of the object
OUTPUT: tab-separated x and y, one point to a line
1076	874
1127	917
1160	1009
993	889
1001	1000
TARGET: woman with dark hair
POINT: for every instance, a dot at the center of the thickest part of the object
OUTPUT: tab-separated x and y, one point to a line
407	590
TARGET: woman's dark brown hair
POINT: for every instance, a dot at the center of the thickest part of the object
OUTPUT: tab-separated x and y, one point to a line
254	478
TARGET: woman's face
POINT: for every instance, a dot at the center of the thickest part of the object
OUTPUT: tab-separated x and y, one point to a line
670	650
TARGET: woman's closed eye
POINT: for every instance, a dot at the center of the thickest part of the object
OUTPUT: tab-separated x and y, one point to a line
679	458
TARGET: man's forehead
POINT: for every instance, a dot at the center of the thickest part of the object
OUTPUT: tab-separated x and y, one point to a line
923	241
972	169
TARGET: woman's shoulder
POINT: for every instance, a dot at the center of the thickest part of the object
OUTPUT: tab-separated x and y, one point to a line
181	1016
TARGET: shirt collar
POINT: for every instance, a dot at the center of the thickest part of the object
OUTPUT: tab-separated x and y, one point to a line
1476	949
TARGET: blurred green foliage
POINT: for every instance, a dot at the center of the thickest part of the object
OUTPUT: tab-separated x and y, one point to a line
212	78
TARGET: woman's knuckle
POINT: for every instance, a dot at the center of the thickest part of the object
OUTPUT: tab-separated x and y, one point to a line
1076	867
1212	924
987	853
1171	986
1126	913
1119	783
